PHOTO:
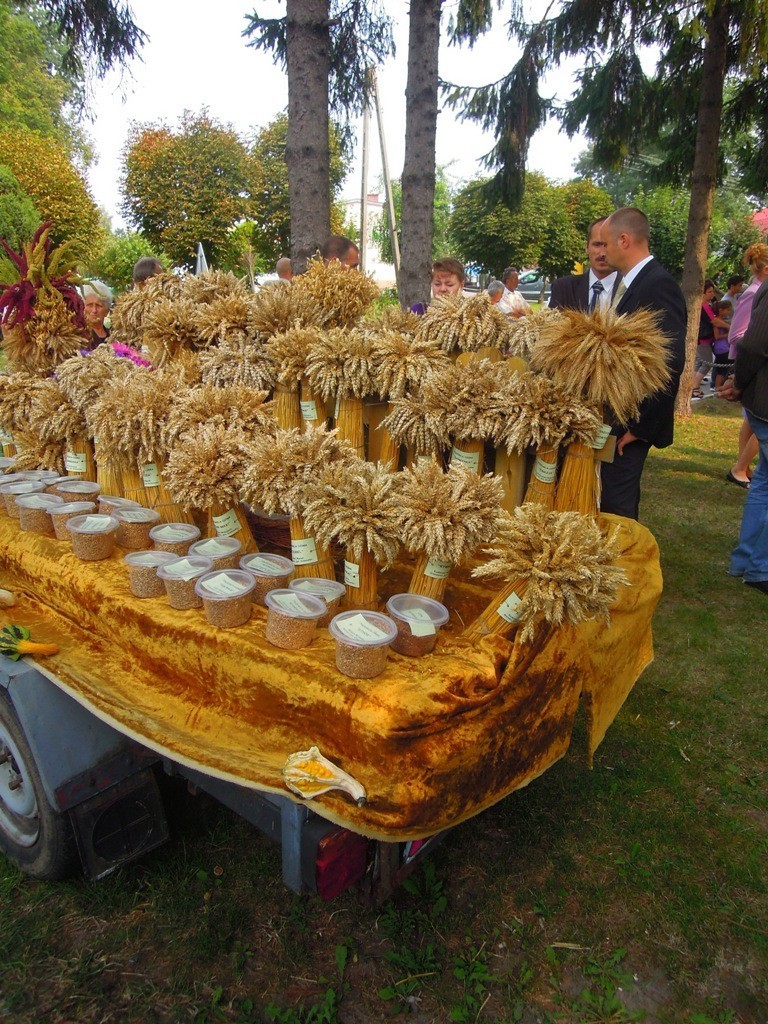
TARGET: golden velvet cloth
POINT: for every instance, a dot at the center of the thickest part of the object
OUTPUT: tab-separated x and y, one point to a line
434	740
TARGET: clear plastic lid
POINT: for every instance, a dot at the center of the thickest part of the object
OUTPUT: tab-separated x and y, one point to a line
417	609
6	461
92	524
362	628
23	487
116	502
224	584
216	547
261	563
68	507
184	567
77	486
137	514
167	533
150	559
38	500
46	476
295	605
329	590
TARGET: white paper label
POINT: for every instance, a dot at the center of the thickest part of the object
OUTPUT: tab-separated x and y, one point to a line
351	574
265	567
96	524
420	622
6	437
149	475
224	586
136	515
470	460
544	471
304	551
437	569
357	627
309	410
602	435
75	462
510	609
212	547
289	603
171	533
226	524
182	570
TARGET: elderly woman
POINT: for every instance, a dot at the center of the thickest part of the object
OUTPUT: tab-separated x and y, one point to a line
98	299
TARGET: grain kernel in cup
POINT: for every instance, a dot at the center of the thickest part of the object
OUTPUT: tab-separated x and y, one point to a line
61	514
72	489
226	595
417	619
134	525
224	552
180	576
144	581
11	491
33	512
362	641
271	572
108	502
292	618
175	537
330	591
93	537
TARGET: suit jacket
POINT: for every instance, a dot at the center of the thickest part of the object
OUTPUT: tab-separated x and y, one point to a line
572	292
750	375
654	288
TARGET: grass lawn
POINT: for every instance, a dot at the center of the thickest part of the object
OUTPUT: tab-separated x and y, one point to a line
634	891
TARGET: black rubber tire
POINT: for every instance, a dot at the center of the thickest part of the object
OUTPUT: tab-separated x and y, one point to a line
35	836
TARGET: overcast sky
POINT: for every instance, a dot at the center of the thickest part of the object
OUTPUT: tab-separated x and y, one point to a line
194	60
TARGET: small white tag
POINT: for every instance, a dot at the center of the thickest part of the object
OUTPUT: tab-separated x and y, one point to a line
75	462
182	570
309	410
149	475
171	533
224	586
470	460
136	515
212	547
96	524
226	524
265	566
544	471
420	622
289	603
437	569
351	574
304	551
357	627
509	610
603	432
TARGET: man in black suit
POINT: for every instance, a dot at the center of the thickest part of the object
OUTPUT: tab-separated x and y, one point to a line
645	284
592	288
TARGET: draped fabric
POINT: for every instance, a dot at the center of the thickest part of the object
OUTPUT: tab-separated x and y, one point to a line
434	740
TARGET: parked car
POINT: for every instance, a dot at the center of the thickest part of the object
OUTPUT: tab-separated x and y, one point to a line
532	284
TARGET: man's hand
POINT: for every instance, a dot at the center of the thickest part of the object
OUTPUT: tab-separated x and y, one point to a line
728	391
624	440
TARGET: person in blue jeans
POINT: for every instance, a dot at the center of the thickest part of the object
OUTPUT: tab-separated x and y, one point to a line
749	385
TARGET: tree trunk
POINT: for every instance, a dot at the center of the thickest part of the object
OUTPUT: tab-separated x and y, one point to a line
307	149
703	185
419	164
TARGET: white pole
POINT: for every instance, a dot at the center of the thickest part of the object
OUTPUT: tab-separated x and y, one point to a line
387	181
364	185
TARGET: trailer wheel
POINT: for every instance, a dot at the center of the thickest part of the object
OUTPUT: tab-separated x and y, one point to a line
34	835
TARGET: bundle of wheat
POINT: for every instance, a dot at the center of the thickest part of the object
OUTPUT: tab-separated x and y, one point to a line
412	423
356	504
224	319
237	362
525	330
169	328
393	318
282	471
443	518
128	313
236	408
295	400
34	453
212	286
341	295
342	364
205	471
282	306
456	323
56	421
559	566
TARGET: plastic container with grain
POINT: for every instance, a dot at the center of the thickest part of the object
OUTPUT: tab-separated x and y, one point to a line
362	642
33	512
417	619
175	537
11	491
271	572
179	577
61	514
224	552
292	618
143	565
73	489
135	526
330	591
40	476
109	502
92	536
226	595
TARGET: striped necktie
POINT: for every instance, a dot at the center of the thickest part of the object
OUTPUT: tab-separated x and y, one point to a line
597	291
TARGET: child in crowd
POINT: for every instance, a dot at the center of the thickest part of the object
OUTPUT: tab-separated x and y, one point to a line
722	365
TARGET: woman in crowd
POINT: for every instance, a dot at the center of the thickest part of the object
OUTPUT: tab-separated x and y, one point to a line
98	299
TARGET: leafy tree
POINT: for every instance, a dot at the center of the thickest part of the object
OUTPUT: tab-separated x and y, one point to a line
185	186
114	265
93	33
18	216
46	174
326	47
441	217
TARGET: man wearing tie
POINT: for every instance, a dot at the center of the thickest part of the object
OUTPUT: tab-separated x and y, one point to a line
592	289
645	284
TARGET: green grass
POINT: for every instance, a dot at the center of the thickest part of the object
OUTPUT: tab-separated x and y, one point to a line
634	891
